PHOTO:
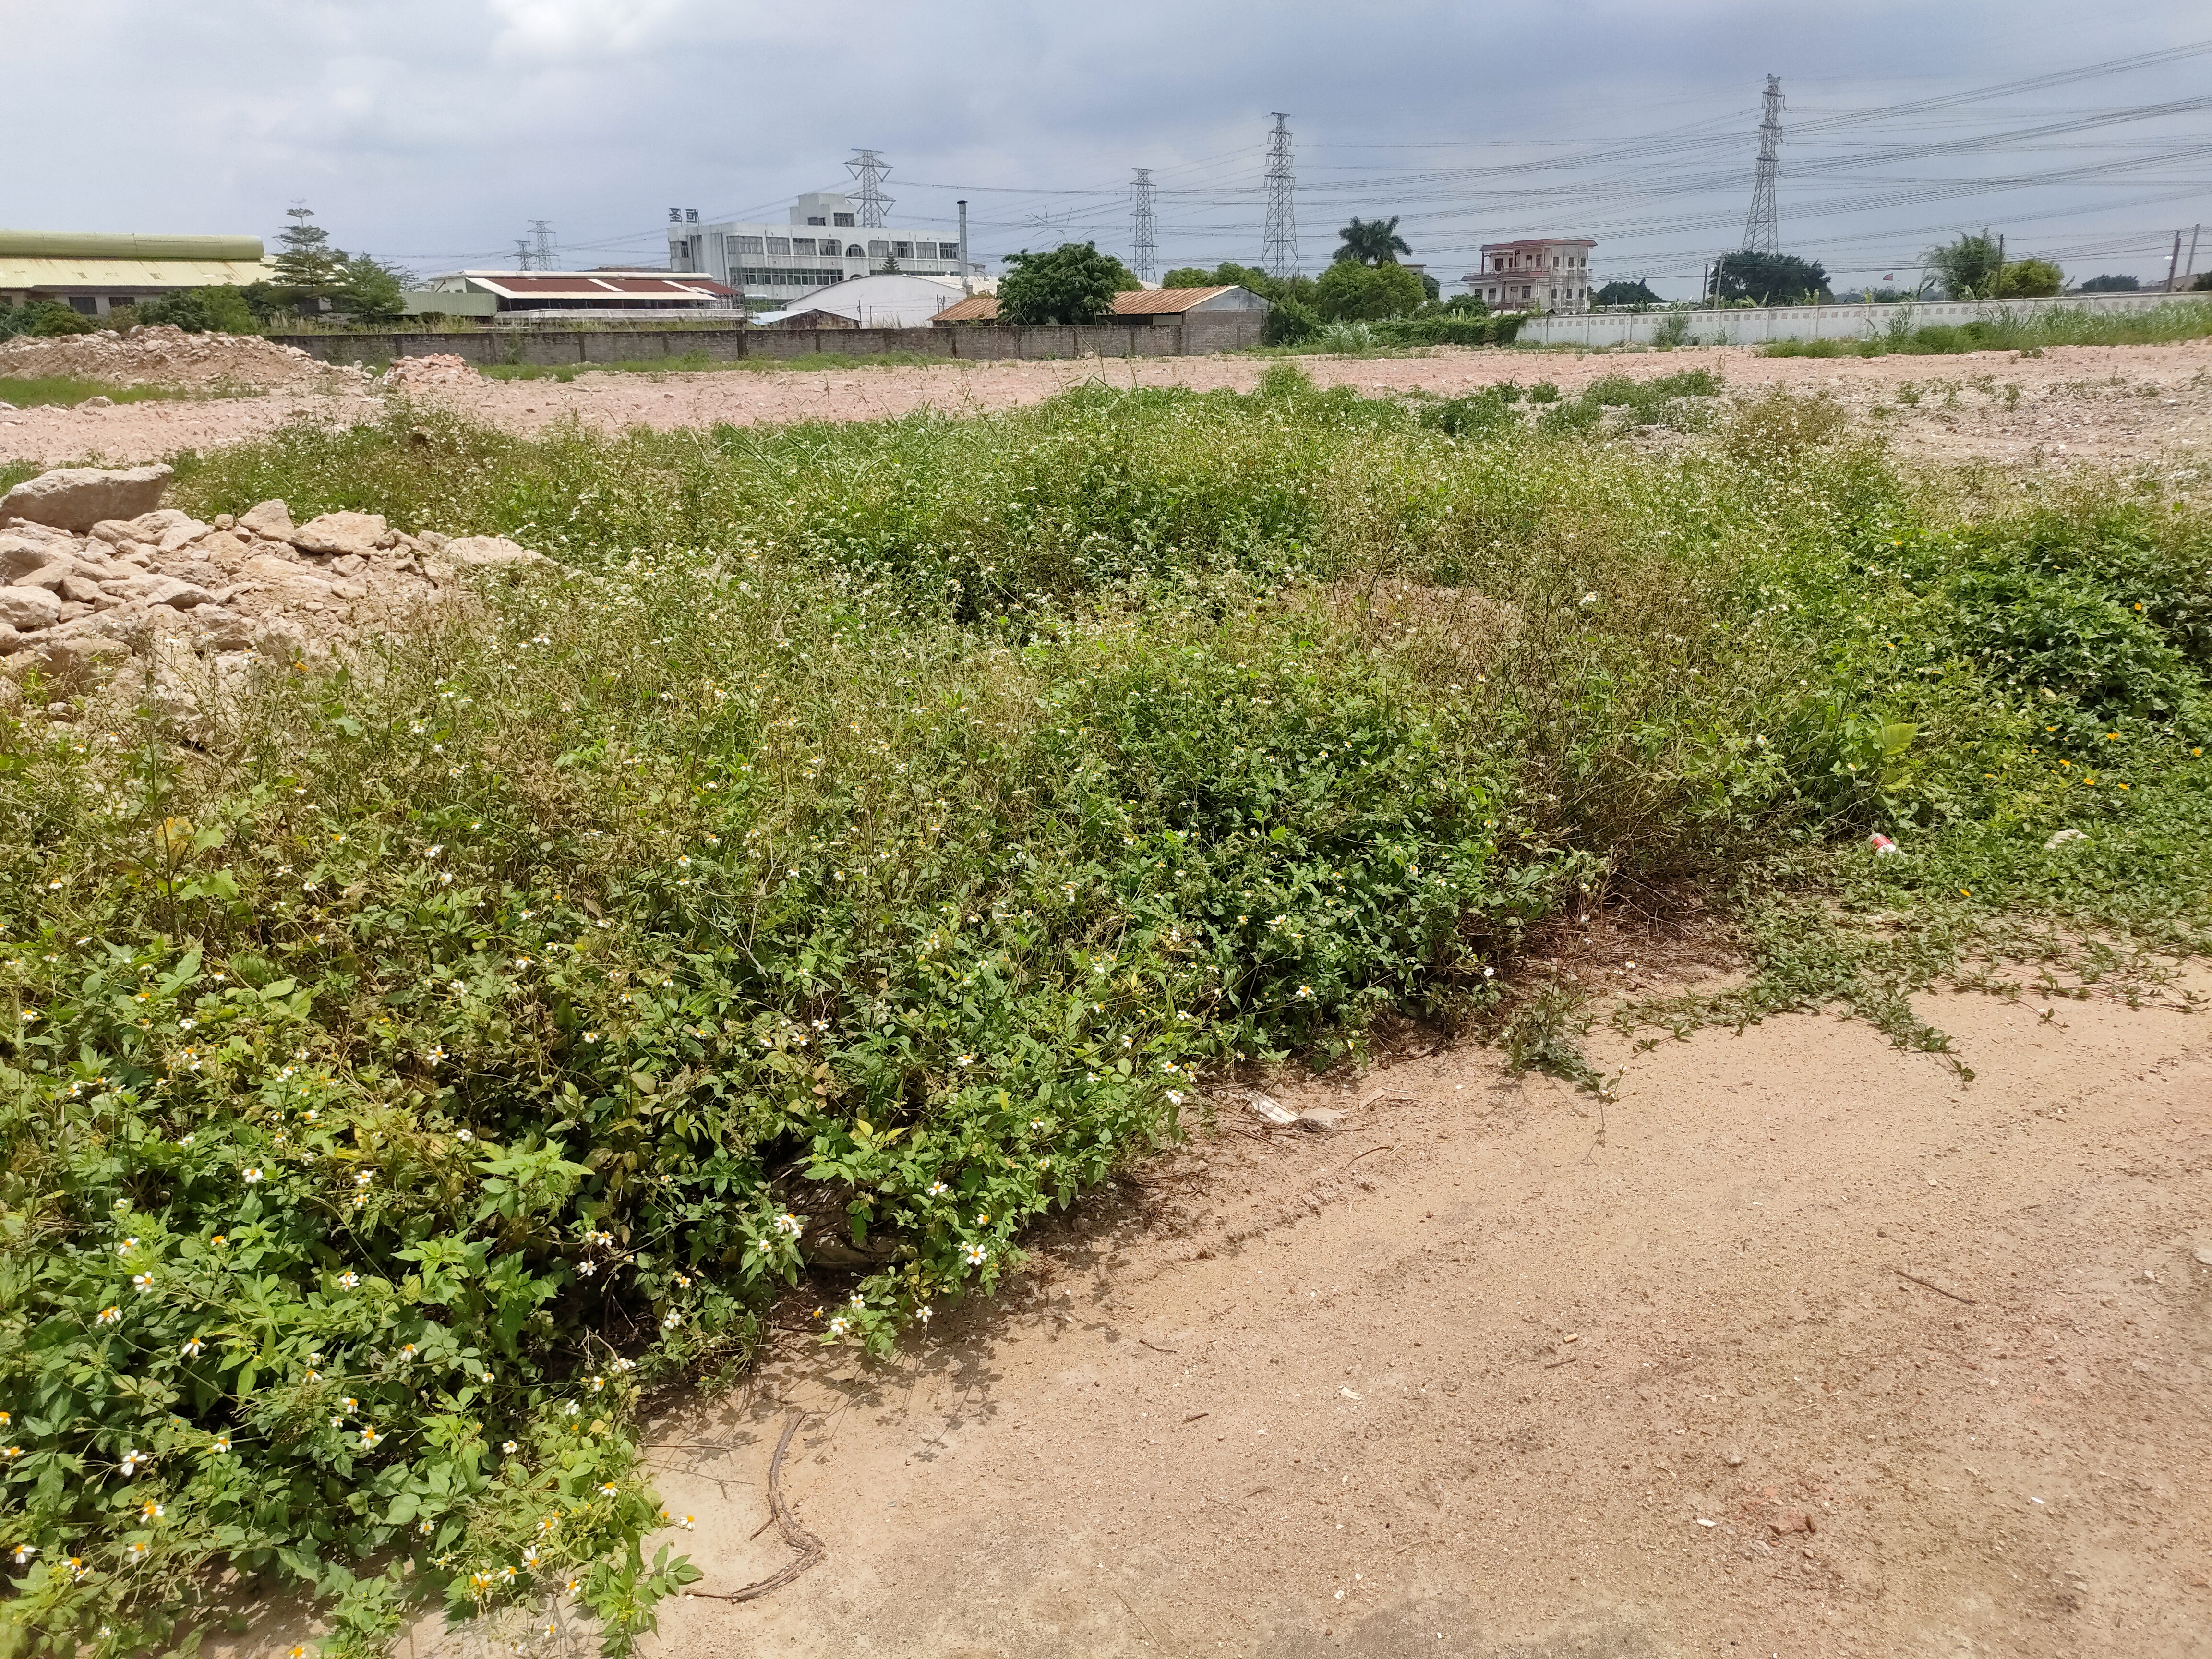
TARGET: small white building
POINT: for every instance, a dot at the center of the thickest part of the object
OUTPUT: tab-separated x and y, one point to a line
822	245
892	301
1537	273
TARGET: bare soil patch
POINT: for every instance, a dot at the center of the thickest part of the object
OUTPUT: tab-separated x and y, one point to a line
2110	405
1804	1346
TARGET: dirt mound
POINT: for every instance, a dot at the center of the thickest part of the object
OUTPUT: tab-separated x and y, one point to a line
165	356
440	369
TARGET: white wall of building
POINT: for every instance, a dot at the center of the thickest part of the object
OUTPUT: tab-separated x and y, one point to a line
822	243
1745	325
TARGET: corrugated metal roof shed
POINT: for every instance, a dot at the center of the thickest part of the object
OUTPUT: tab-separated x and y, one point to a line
93	245
1141	302
124	275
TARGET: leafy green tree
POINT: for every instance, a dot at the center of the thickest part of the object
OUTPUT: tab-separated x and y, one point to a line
2202	284
1371	242
1967	268
1464	305
1351	292
203	311
2112	284
1187	276
1771	279
370	291
1638	292
2030	279
308	268
1071	284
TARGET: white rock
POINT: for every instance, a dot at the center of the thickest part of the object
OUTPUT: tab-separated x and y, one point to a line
29	609
76	498
182	535
272	520
21	556
340	532
181	594
2061	838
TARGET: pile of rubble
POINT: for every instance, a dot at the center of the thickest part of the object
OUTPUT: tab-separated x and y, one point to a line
95	575
414	374
164	356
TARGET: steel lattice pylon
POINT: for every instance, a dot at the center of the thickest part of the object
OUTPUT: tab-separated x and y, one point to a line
1279	255
869	167
1762	227
1143	250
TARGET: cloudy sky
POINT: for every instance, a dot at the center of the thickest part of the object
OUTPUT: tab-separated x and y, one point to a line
432	132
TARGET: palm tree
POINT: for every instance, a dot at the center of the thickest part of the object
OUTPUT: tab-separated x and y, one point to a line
1372	241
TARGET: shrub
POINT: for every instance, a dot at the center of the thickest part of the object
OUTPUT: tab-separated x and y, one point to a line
43	317
221	310
2030	279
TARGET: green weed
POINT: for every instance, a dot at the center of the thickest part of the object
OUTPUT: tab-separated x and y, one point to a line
878	832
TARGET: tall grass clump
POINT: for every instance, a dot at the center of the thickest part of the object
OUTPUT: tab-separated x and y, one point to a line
869	837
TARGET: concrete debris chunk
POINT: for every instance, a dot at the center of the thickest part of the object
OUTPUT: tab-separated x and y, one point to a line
75	498
340	532
29	609
271	521
1322	1120
2061	838
1270	1110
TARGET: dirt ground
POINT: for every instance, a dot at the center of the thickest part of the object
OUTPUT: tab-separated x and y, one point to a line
1805	1347
2122	404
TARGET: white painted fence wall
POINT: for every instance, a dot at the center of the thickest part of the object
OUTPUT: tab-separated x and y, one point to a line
1744	326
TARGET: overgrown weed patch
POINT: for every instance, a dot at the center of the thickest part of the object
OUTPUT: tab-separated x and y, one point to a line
880	831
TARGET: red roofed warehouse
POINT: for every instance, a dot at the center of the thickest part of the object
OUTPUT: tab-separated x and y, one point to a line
551	296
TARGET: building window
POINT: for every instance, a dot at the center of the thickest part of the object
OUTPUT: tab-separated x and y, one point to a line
879	250
779	245
901	250
946	250
803	244
845	219
854	250
817	222
748	245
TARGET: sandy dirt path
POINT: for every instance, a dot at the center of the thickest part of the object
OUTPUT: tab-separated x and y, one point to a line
2123	404
1813	1348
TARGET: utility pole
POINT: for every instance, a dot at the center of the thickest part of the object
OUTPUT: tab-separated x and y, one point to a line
2173	262
1762	226
966	286
1279	252
1144	253
869	167
1996	282
2189	269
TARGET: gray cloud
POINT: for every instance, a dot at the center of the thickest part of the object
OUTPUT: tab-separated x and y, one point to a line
434	130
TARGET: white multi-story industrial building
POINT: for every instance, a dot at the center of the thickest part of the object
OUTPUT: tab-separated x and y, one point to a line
824	243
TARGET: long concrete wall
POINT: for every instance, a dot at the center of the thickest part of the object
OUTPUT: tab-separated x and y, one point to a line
558	348
1744	326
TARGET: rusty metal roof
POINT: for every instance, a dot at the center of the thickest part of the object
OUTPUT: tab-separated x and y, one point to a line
1140	303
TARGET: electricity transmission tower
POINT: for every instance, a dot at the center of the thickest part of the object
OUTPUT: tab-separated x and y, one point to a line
869	166
1143	250
522	253
1279	255
1762	228
541	253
